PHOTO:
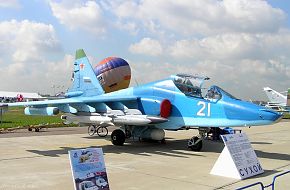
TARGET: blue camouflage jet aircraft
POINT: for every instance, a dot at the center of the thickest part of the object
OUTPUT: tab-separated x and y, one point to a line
144	112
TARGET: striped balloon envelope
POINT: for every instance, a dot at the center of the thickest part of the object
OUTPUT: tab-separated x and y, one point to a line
114	74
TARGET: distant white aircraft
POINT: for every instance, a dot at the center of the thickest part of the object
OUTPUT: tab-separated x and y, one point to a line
6	96
277	100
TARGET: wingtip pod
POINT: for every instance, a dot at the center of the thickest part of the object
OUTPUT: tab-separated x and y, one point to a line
80	53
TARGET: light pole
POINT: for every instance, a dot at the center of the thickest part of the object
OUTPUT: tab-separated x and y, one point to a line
1	114
53	86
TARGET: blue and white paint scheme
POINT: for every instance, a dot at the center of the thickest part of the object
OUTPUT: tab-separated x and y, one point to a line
146	111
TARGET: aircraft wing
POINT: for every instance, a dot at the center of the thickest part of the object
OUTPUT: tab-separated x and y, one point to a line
83	100
93	104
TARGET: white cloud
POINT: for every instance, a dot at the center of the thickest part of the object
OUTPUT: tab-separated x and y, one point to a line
235	46
125	8
26	48
147	46
131	27
240	60
202	17
40	77
27	41
9	4
76	15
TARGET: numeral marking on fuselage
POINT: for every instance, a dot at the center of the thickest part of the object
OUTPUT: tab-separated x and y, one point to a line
204	105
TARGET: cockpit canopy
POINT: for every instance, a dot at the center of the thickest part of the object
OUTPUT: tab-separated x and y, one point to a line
189	84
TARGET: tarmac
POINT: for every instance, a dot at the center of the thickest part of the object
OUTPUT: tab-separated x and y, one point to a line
31	160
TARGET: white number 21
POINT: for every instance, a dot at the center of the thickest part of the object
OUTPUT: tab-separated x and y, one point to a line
202	109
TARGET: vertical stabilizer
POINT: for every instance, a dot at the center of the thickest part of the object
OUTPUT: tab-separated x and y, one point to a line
275	97
85	82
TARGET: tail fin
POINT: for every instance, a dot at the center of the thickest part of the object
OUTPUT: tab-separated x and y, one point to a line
275	97
85	82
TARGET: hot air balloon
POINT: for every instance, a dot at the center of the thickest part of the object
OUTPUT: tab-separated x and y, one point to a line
114	73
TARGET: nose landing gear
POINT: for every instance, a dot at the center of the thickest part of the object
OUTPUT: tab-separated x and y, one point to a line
195	143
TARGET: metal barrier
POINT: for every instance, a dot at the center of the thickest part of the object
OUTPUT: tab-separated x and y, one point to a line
262	185
274	179
252	185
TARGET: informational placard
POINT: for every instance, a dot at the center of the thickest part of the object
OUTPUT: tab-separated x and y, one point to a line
88	169
238	159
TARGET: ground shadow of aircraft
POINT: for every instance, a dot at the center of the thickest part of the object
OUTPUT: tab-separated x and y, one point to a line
172	148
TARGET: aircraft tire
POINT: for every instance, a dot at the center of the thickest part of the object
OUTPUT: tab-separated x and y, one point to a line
102	131
91	130
118	137
194	147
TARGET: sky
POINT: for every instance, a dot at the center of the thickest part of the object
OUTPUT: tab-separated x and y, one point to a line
242	45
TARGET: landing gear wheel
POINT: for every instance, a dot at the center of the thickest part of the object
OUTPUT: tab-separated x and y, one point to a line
92	130
193	145
102	131
36	129
29	129
118	137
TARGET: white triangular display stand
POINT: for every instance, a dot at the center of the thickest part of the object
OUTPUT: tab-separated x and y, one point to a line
238	159
225	166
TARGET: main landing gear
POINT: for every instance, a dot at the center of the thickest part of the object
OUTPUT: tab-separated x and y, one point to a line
119	136
150	133
195	143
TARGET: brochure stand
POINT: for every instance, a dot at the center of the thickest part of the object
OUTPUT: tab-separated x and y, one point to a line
238	159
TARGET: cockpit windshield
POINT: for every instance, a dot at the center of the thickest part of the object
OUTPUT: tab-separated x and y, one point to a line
228	94
189	85
215	93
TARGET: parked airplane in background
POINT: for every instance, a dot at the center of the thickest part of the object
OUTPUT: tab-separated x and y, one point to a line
277	101
6	96
146	111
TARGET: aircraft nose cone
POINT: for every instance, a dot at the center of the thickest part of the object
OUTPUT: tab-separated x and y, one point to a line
270	115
